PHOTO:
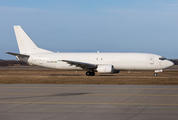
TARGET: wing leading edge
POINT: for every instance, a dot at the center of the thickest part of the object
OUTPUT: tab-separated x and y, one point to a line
81	64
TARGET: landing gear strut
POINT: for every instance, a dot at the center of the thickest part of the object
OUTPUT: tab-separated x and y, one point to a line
90	73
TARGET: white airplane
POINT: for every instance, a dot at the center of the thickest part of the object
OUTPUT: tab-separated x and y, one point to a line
90	62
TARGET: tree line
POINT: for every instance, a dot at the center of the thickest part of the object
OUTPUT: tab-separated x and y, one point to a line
11	62
175	61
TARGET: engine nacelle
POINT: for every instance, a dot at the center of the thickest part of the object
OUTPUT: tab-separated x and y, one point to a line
105	69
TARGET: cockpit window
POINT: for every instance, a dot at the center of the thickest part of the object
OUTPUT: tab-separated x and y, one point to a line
162	58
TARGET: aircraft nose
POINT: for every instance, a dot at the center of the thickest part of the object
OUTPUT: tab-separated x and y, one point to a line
170	63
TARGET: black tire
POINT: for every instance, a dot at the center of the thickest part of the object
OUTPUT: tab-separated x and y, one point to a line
87	73
155	74
92	73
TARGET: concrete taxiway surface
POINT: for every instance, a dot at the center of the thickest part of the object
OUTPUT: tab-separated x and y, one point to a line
89	102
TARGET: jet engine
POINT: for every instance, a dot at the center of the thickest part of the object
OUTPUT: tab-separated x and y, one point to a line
105	69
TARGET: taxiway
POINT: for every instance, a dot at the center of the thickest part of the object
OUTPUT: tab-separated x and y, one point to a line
89	102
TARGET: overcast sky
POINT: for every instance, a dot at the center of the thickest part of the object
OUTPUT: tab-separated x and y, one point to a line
89	25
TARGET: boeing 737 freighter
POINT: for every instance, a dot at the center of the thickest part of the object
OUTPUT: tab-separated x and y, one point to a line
90	62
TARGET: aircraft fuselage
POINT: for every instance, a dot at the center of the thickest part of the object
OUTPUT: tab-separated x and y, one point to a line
120	61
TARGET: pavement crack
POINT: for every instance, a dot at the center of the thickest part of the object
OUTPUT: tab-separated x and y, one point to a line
132	96
143	109
16	107
137	113
132	117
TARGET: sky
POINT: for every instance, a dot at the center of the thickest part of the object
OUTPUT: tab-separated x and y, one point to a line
89	25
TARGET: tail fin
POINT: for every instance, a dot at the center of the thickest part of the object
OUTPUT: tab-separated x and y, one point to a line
25	44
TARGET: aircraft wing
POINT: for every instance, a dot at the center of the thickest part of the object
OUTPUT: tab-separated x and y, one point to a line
81	64
16	54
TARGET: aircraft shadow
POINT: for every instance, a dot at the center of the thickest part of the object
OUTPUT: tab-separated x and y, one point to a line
52	95
63	75
78	75
107	75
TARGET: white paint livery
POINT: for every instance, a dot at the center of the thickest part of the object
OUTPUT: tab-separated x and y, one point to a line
91	62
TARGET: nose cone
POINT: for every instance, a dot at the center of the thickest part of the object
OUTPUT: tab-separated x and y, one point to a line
170	63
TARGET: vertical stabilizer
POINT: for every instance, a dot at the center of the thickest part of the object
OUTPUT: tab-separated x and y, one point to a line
25	44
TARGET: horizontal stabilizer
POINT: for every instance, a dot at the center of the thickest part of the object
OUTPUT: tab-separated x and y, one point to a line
16	54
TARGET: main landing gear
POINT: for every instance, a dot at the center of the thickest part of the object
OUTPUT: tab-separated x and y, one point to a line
90	73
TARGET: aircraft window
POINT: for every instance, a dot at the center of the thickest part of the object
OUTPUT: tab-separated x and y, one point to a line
162	58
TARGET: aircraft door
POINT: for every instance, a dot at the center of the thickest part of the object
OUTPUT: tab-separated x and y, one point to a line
151	60
40	61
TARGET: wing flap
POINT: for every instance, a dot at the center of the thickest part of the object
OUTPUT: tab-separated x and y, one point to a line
81	64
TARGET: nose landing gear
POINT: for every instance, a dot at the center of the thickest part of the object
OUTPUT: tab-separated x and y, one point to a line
155	74
157	71
90	73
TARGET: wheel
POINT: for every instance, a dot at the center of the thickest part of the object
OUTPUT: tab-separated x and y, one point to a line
92	73
155	74
88	73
